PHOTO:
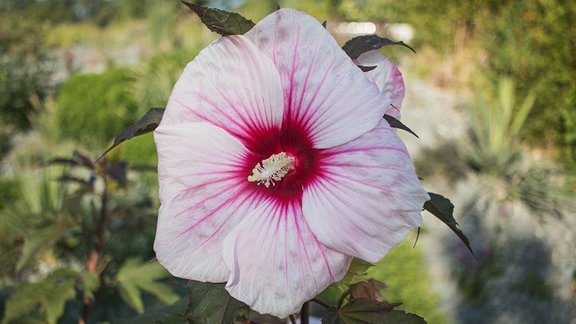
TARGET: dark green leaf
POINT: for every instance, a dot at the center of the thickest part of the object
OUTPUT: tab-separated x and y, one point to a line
442	208
169	314
362	311
361	44
211	303
330	316
398	124
220	21
144	125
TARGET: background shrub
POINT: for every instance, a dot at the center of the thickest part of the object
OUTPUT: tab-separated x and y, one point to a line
94	108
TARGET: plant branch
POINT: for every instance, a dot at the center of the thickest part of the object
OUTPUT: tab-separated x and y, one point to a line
96	264
305	313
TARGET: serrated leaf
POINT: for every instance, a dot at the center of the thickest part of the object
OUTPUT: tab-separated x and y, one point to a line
210	303
170	314
56	300
330	316
362	311
144	125
443	209
90	283
48	295
36	242
356	271
130	294
161	291
221	21
367	289
136	276
361	44
395	123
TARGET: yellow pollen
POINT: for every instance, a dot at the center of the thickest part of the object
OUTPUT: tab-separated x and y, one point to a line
272	169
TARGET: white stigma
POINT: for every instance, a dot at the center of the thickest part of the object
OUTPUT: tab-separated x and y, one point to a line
272	169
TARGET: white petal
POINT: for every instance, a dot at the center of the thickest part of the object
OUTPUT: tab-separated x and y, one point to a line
229	84
277	264
367	196
387	77
202	195
325	93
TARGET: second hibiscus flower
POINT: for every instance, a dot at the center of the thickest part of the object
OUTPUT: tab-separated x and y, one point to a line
276	167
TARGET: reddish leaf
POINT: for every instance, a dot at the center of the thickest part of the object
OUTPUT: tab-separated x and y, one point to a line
369	289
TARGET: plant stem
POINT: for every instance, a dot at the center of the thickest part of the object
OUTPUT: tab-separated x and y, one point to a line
305	313
321	303
95	263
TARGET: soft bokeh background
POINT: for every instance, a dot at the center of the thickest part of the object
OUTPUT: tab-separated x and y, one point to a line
490	92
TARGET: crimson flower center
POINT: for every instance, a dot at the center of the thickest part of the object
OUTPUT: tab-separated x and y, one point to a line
282	161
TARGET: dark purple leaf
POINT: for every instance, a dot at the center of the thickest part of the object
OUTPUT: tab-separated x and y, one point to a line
398	124
146	124
361	44
363	311
367	68
118	170
221	21
442	208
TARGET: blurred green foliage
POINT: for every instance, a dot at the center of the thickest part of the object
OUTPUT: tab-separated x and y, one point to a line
527	41
404	272
94	108
77	240
524	40
25	70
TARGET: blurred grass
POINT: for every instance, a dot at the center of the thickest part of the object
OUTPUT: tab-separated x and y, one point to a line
405	272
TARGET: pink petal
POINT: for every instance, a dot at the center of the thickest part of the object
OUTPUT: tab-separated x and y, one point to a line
367	197
202	195
387	77
325	93
229	84
276	262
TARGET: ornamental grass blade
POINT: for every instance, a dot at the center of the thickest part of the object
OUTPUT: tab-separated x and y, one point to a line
442	208
144	125
221	21
210	303
361	44
398	124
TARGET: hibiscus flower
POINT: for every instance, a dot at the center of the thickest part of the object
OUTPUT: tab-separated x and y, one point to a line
276	167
